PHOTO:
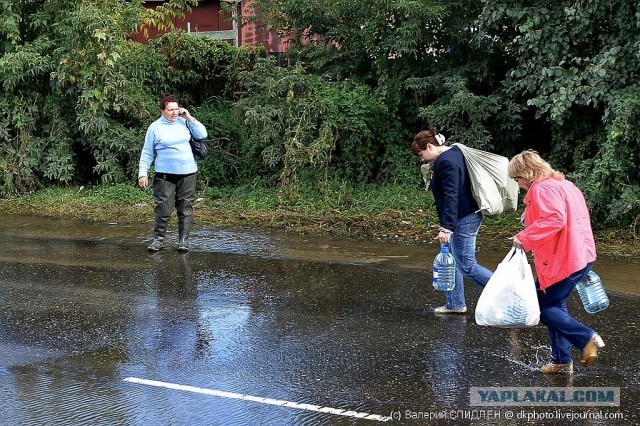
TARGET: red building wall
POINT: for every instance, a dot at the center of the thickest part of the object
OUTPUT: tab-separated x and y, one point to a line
252	35
206	17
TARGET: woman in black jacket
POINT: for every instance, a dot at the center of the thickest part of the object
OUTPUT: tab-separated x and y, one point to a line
458	213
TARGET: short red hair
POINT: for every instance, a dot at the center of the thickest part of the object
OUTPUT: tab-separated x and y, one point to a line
165	99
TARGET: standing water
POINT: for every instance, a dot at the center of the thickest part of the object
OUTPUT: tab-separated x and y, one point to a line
257	327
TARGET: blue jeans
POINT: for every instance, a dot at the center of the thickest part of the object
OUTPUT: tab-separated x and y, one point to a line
562	328
463	247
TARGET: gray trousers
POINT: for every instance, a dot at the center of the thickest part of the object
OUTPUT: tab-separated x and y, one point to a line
173	191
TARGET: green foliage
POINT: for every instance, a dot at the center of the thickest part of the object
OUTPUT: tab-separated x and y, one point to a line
364	39
54	64
301	124
193	61
363	77
461	91
113	194
375	43
610	179
225	164
338	196
290	127
418	57
469	118
79	93
582	77
591	51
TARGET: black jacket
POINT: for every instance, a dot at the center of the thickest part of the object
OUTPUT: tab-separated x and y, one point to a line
451	188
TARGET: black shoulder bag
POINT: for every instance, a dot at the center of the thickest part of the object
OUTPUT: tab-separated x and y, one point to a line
198	147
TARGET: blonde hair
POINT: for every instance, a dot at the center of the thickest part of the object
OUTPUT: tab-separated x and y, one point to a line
529	166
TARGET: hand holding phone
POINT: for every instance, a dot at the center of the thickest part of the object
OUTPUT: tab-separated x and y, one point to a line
184	113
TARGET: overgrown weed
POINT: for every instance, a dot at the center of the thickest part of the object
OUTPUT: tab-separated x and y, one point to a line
394	213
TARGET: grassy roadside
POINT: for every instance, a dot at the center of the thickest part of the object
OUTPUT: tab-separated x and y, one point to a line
394	214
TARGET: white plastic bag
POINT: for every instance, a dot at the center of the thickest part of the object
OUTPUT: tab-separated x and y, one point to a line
509	299
491	187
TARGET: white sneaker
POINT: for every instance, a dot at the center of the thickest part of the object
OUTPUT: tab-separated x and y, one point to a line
445	310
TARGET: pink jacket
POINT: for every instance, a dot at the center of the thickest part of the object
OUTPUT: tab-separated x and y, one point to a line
558	230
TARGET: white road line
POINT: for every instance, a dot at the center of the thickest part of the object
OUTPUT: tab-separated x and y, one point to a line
279	402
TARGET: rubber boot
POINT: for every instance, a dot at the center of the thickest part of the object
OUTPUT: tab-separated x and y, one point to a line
159	231
184	227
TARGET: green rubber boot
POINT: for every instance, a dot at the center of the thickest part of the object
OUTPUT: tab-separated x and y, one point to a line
184	227
159	231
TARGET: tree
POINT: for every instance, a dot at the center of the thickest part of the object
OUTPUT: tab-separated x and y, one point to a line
577	65
300	125
72	87
419	57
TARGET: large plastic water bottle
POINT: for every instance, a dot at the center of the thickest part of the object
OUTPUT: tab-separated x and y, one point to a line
592	293
444	269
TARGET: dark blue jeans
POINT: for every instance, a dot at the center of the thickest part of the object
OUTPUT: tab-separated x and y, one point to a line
563	329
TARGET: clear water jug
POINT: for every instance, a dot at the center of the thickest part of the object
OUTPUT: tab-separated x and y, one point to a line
444	269
592	293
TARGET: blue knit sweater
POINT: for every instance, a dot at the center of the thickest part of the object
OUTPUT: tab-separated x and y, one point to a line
168	142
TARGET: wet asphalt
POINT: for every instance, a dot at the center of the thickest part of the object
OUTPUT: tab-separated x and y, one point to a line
259	328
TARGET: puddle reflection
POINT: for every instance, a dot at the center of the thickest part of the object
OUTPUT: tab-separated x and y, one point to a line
319	321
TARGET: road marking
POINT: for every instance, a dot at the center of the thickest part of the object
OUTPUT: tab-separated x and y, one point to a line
279	402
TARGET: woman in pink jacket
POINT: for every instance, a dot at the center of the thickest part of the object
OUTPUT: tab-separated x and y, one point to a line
558	231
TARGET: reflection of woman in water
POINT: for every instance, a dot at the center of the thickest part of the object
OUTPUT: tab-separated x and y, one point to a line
448	365
180	334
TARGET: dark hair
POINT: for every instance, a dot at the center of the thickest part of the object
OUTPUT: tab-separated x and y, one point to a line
424	138
165	99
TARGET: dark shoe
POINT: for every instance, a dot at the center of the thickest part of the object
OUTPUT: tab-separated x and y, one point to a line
445	310
590	352
156	245
557	368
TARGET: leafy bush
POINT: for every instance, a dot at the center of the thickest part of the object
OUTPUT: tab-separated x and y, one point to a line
225	163
78	93
611	179
302	125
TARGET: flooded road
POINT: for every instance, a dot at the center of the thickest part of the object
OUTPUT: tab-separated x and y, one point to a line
255	328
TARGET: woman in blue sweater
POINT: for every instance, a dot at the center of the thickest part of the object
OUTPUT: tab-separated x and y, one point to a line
174	180
458	213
